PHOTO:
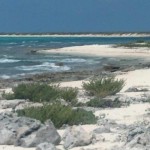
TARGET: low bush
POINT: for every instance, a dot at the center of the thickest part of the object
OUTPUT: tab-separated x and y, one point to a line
36	92
103	86
136	44
69	94
104	103
59	115
8	96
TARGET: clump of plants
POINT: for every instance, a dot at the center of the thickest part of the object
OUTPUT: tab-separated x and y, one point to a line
59	114
69	94
104	103
103	86
136	44
37	92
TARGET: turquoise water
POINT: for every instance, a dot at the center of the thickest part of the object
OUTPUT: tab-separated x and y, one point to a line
16	59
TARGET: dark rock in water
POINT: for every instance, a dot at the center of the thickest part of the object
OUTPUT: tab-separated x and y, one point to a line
33	51
111	68
26	132
59	64
46	146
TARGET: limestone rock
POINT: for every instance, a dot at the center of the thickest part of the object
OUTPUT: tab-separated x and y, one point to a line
7	137
46	133
103	129
26	132
76	136
4	104
46	146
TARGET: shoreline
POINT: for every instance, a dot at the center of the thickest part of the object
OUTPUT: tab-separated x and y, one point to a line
126	116
124	59
79	35
100	50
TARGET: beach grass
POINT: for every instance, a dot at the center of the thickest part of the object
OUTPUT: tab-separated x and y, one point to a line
137	44
37	92
104	103
103	86
59	114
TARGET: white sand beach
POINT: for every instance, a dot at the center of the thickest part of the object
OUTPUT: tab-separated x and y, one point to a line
125	115
101	50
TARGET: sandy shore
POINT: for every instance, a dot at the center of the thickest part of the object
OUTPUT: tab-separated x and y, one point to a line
125	115
136	78
100	50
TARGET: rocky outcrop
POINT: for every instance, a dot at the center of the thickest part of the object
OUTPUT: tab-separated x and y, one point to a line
76	136
5	104
46	146
26	132
139	137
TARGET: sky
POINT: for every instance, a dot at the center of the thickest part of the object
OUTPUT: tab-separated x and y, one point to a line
74	16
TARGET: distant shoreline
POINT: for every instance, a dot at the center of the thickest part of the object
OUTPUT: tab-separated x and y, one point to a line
76	35
100	51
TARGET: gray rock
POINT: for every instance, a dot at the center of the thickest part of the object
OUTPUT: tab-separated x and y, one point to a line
134	132
103	129
46	133
26	132
76	136
46	146
4	104
7	137
106	122
139	137
90	149
137	89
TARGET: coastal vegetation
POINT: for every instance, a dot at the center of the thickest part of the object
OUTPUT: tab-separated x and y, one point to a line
69	94
59	114
104	103
71	112
103	86
37	92
137	44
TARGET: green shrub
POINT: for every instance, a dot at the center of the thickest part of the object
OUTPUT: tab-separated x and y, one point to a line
104	103
69	94
36	92
59	115
8	96
103	86
136	44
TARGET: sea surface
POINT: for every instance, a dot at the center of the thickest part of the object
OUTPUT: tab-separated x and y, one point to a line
17	59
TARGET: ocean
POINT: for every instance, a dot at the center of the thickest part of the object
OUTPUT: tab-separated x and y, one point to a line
17	59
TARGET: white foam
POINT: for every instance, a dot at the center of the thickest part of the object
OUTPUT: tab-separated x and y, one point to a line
81	35
6	60
4	77
44	67
72	60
